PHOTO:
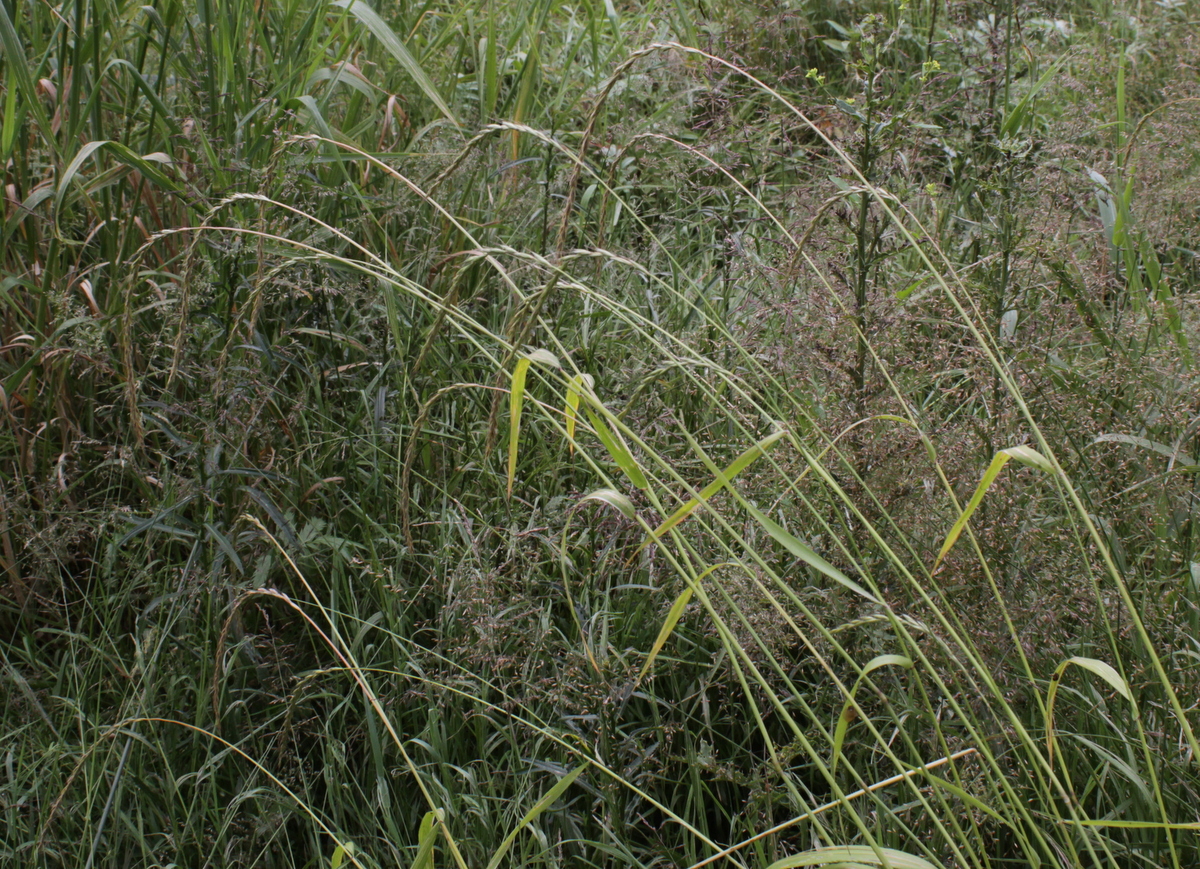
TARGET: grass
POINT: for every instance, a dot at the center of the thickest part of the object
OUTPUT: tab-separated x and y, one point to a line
524	433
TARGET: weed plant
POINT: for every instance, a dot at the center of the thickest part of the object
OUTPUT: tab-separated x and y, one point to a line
544	434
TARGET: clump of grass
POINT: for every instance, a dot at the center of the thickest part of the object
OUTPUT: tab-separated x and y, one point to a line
509	433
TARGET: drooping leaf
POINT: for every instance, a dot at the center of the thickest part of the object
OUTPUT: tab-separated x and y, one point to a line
847	715
616	447
1099	668
281	522
1024	455
1146	444
614	499
387	37
574	387
148	165
805	553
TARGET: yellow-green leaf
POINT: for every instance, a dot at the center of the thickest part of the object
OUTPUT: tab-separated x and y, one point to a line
540	806
1092	665
616	448
1024	455
515	400
853	854
722	480
340	853
426	836
574	387
673	616
847	716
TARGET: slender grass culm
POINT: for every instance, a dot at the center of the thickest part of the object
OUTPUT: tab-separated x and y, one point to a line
524	433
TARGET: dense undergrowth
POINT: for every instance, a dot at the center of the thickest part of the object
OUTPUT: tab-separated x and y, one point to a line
545	434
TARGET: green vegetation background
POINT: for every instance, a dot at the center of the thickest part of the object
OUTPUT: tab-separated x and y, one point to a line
541	433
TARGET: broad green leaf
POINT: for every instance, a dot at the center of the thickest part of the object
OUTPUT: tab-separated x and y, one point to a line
847	715
854	854
148	166
617	449
540	806
805	553
613	499
390	41
1092	665
515	400
340	853
722	480
426	837
1024	455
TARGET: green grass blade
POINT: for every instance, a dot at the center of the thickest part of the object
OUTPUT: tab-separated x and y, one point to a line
672	619
617	449
1172	453
1023	454
370	19
722	480
574	388
885	857
540	806
805	553
515	401
426	838
1093	666
1021	111
16	66
148	165
340	853
1134	825
848	712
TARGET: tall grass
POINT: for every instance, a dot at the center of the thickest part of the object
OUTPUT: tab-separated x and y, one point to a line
545	434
